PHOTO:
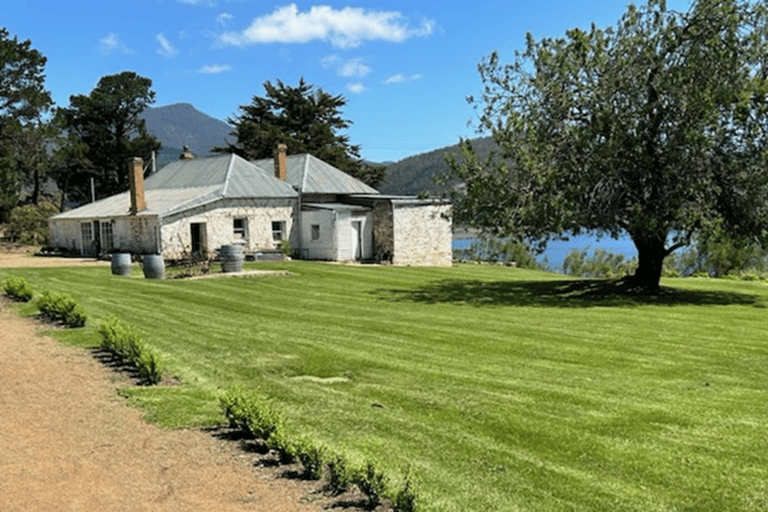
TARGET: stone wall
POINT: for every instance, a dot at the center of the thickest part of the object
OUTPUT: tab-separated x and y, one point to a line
422	233
219	221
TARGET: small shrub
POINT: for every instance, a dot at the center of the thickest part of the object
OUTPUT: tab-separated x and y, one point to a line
312	458
18	289
340	477
405	499
149	367
371	483
286	448
126	343
28	224
61	307
251	412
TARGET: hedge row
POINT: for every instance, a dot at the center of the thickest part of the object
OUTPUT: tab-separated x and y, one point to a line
126	343
61	307
258	417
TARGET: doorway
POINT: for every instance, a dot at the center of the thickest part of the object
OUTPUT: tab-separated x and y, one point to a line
198	236
357	239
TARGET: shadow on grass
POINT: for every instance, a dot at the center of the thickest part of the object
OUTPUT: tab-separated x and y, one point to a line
563	293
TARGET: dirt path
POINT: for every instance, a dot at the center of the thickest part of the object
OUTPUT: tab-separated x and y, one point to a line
67	442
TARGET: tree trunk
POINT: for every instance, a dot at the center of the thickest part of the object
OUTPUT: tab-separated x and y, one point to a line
650	259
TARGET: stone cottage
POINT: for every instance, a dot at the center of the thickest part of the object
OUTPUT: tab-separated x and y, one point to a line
195	206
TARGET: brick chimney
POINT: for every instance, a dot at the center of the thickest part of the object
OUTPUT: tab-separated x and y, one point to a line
136	179
281	168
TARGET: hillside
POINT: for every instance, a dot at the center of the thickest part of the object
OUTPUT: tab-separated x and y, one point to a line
416	174
181	124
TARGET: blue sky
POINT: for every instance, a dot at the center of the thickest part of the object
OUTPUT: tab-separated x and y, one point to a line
405	67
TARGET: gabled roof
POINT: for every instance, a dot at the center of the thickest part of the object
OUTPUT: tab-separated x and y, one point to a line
186	184
310	175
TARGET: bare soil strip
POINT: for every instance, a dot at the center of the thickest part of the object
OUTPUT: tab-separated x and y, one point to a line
68	442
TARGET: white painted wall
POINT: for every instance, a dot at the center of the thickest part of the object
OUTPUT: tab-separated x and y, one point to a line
324	248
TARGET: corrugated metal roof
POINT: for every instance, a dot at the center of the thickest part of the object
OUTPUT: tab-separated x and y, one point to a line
187	184
313	176
159	202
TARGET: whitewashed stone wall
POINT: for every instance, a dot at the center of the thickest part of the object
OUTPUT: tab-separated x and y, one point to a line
65	234
422	234
219	227
138	235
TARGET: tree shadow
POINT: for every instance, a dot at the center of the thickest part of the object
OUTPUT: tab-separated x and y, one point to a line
582	293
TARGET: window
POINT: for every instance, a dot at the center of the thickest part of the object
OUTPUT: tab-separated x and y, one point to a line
315	231
107	238
86	232
278	230
239	228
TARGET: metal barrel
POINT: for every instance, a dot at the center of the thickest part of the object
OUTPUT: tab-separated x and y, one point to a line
232	257
121	263
154	266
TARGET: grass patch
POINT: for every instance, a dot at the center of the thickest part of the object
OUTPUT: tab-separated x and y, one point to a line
497	388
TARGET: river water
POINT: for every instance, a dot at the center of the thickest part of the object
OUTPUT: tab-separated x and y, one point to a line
557	250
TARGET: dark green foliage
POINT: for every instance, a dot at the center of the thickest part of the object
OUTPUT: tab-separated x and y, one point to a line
18	289
28	224
23	102
305	119
655	128
127	344
372	483
601	264
61	307
503	250
250	411
106	131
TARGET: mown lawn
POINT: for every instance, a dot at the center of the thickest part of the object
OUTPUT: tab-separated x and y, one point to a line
499	389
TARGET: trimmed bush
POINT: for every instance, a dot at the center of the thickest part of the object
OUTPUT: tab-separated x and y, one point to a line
405	499
372	483
17	288
340	476
312	458
250	412
126	343
61	307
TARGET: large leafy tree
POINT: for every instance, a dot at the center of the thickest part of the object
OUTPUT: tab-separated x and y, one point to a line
105	131
656	128
306	120
23	129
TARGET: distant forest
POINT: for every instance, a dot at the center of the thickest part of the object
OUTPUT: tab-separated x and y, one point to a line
416	174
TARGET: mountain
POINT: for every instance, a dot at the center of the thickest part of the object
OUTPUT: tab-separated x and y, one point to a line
416	174
181	124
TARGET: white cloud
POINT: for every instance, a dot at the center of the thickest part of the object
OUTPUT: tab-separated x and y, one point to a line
345	28
111	43
400	78
224	18
214	69
166	48
356	68
356	88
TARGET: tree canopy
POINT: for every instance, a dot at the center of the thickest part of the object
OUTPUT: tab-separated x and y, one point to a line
306	120
655	128
105	131
23	131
